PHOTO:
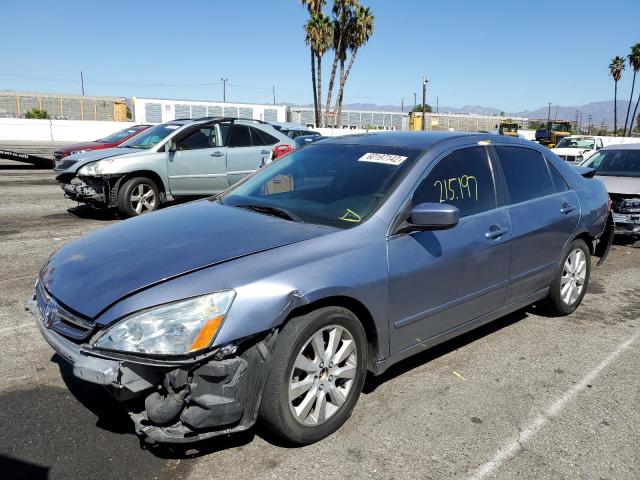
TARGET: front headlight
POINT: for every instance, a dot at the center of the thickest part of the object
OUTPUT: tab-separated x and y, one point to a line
177	328
95	168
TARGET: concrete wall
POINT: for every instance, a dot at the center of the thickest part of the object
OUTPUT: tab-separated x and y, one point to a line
22	129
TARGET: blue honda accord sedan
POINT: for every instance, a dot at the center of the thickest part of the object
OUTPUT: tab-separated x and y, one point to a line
274	299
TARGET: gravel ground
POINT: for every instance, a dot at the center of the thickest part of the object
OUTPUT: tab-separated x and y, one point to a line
525	397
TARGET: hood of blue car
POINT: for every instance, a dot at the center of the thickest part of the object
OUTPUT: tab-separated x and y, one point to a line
92	273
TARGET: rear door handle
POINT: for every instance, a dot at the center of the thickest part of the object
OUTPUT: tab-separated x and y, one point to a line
496	232
217	154
567	208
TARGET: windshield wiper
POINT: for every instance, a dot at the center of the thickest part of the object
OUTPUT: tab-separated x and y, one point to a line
274	211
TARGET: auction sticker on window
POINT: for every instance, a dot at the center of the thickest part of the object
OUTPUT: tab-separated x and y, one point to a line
385	158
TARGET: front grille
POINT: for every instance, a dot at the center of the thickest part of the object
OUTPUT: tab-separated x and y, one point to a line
60	319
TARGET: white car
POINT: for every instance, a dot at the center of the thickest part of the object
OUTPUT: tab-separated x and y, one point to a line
577	148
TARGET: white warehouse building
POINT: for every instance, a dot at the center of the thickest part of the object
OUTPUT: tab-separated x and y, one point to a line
154	110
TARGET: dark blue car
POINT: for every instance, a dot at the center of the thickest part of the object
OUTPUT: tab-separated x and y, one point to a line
275	298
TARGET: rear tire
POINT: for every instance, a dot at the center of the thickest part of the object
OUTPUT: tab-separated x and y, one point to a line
571	281
138	195
315	381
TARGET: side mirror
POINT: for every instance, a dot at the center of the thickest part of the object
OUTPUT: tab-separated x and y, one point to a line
171	146
434	216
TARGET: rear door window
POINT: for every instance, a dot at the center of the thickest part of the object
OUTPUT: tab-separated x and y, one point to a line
463	178
526	173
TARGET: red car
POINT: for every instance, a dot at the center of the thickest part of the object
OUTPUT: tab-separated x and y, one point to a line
110	141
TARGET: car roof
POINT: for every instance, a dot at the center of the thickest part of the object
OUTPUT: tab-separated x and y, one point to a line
417	140
623	146
291	126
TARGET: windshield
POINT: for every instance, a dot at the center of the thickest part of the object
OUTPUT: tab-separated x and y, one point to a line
150	137
559	127
619	163
327	184
583	143
114	137
509	128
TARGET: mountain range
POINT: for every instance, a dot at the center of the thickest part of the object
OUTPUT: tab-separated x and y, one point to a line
600	112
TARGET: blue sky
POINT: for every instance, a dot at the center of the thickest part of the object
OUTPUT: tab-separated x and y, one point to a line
509	55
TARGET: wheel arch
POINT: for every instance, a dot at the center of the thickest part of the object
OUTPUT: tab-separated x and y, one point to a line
152	175
359	310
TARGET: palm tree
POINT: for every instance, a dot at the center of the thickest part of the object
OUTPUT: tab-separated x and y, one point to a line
323	42
342	12
634	62
360	30
615	70
314	7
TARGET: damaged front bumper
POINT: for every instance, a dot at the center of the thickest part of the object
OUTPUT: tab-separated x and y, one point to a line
96	191
627	224
175	402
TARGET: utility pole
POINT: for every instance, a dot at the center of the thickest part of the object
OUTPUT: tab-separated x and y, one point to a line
224	88
424	102
274	94
590	124
402	105
414	101
437	101
549	112
82	82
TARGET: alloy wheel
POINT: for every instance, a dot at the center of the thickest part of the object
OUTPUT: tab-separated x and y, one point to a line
142	198
323	375
574	274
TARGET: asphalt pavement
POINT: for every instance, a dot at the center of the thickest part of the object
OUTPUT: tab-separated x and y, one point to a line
526	396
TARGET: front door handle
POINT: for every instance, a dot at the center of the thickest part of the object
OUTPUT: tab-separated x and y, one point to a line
265	152
567	208
496	232
217	154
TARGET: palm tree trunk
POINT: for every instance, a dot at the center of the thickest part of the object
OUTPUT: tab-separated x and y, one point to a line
343	78
337	109
313	82
332	78
633	117
626	119
615	107
319	107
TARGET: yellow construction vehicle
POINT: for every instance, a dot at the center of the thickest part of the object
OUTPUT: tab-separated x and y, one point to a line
555	131
508	128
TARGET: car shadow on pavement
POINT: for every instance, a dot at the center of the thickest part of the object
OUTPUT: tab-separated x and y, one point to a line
91	213
373	382
110	415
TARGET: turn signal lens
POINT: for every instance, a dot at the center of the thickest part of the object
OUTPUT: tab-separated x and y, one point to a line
206	334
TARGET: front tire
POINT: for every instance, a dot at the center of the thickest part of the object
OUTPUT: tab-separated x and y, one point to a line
317	373
572	280
138	195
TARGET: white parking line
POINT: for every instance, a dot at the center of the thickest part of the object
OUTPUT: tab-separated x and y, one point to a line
515	444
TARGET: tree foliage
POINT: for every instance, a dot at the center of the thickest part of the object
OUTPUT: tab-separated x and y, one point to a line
37	113
418	108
